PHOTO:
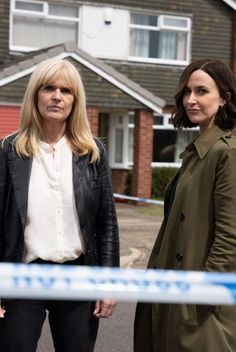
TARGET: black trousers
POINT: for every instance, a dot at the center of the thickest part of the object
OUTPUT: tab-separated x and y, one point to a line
72	323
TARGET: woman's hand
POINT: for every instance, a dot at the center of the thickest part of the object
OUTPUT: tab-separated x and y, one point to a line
104	308
2	311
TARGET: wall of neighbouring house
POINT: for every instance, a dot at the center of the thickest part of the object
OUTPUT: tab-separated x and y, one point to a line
9	119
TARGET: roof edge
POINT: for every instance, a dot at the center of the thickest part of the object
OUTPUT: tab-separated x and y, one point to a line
110	74
231	3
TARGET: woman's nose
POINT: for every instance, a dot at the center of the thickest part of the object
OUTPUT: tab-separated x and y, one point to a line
57	94
192	98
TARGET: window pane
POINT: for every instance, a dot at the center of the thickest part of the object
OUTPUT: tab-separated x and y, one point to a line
144	20
65	11
164	145
119	146
131	145
157	43
153	44
164	44
36	32
139	43
168	144
168	45
131	119
175	22
182	46
158	120
28	6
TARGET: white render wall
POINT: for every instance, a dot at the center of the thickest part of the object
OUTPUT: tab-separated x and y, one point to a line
104	40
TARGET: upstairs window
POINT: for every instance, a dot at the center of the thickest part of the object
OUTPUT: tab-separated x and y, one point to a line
164	39
37	24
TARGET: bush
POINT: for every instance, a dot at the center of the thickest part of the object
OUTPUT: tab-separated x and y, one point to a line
160	178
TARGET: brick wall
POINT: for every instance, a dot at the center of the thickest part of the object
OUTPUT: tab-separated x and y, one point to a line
143	149
9	119
119	180
93	116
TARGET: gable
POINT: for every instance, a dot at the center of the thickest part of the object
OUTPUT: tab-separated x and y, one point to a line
119	85
231	3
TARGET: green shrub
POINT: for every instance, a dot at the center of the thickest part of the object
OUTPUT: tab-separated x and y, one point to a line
128	190
160	178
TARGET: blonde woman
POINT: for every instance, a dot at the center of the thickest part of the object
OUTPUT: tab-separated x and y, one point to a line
56	206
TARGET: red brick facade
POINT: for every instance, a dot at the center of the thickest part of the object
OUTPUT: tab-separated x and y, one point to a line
143	149
93	116
9	119
119	180
143	145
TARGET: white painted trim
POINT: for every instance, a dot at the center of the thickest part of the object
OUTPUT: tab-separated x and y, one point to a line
161	61
158	164
16	76
231	3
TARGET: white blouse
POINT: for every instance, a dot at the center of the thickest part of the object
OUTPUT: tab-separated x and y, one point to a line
52	229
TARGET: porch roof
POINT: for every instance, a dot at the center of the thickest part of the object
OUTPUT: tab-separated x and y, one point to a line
26	65
231	3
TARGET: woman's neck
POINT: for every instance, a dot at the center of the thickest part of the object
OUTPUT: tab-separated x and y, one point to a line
52	134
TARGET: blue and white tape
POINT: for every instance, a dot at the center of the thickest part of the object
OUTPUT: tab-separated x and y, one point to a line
79	283
138	199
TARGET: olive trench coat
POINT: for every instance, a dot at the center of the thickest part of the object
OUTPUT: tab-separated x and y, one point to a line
199	233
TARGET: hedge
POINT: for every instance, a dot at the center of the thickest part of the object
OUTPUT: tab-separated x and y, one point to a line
160	178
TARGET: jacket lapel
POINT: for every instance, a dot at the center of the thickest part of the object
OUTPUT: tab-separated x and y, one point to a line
20	169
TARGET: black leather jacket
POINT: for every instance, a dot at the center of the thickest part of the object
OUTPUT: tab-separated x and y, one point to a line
94	203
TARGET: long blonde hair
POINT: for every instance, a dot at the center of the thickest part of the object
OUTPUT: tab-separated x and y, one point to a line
78	132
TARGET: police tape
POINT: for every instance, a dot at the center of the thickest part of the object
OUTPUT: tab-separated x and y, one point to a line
138	199
90	283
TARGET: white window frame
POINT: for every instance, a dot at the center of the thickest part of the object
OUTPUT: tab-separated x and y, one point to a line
44	14
167	125
125	164
160	25
126	126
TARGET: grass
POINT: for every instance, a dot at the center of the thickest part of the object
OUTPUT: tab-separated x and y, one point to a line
151	209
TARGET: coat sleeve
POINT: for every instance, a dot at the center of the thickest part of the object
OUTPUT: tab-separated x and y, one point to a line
222	255
107	228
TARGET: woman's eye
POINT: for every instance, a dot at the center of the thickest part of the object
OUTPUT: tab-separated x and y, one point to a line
186	91
48	88
66	91
202	91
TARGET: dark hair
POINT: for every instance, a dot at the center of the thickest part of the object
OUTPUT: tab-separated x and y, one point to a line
226	83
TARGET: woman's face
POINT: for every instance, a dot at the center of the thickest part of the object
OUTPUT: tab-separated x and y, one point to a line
201	99
55	101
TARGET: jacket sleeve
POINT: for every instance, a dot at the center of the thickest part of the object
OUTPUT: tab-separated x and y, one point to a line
3	186
107	227
222	255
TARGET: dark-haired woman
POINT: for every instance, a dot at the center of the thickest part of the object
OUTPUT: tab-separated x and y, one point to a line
199	227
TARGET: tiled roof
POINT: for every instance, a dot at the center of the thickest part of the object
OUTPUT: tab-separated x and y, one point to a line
26	65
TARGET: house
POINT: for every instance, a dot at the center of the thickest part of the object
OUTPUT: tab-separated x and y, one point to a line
130	54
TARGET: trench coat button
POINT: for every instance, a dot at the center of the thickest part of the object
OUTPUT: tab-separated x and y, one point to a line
182	217
179	257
